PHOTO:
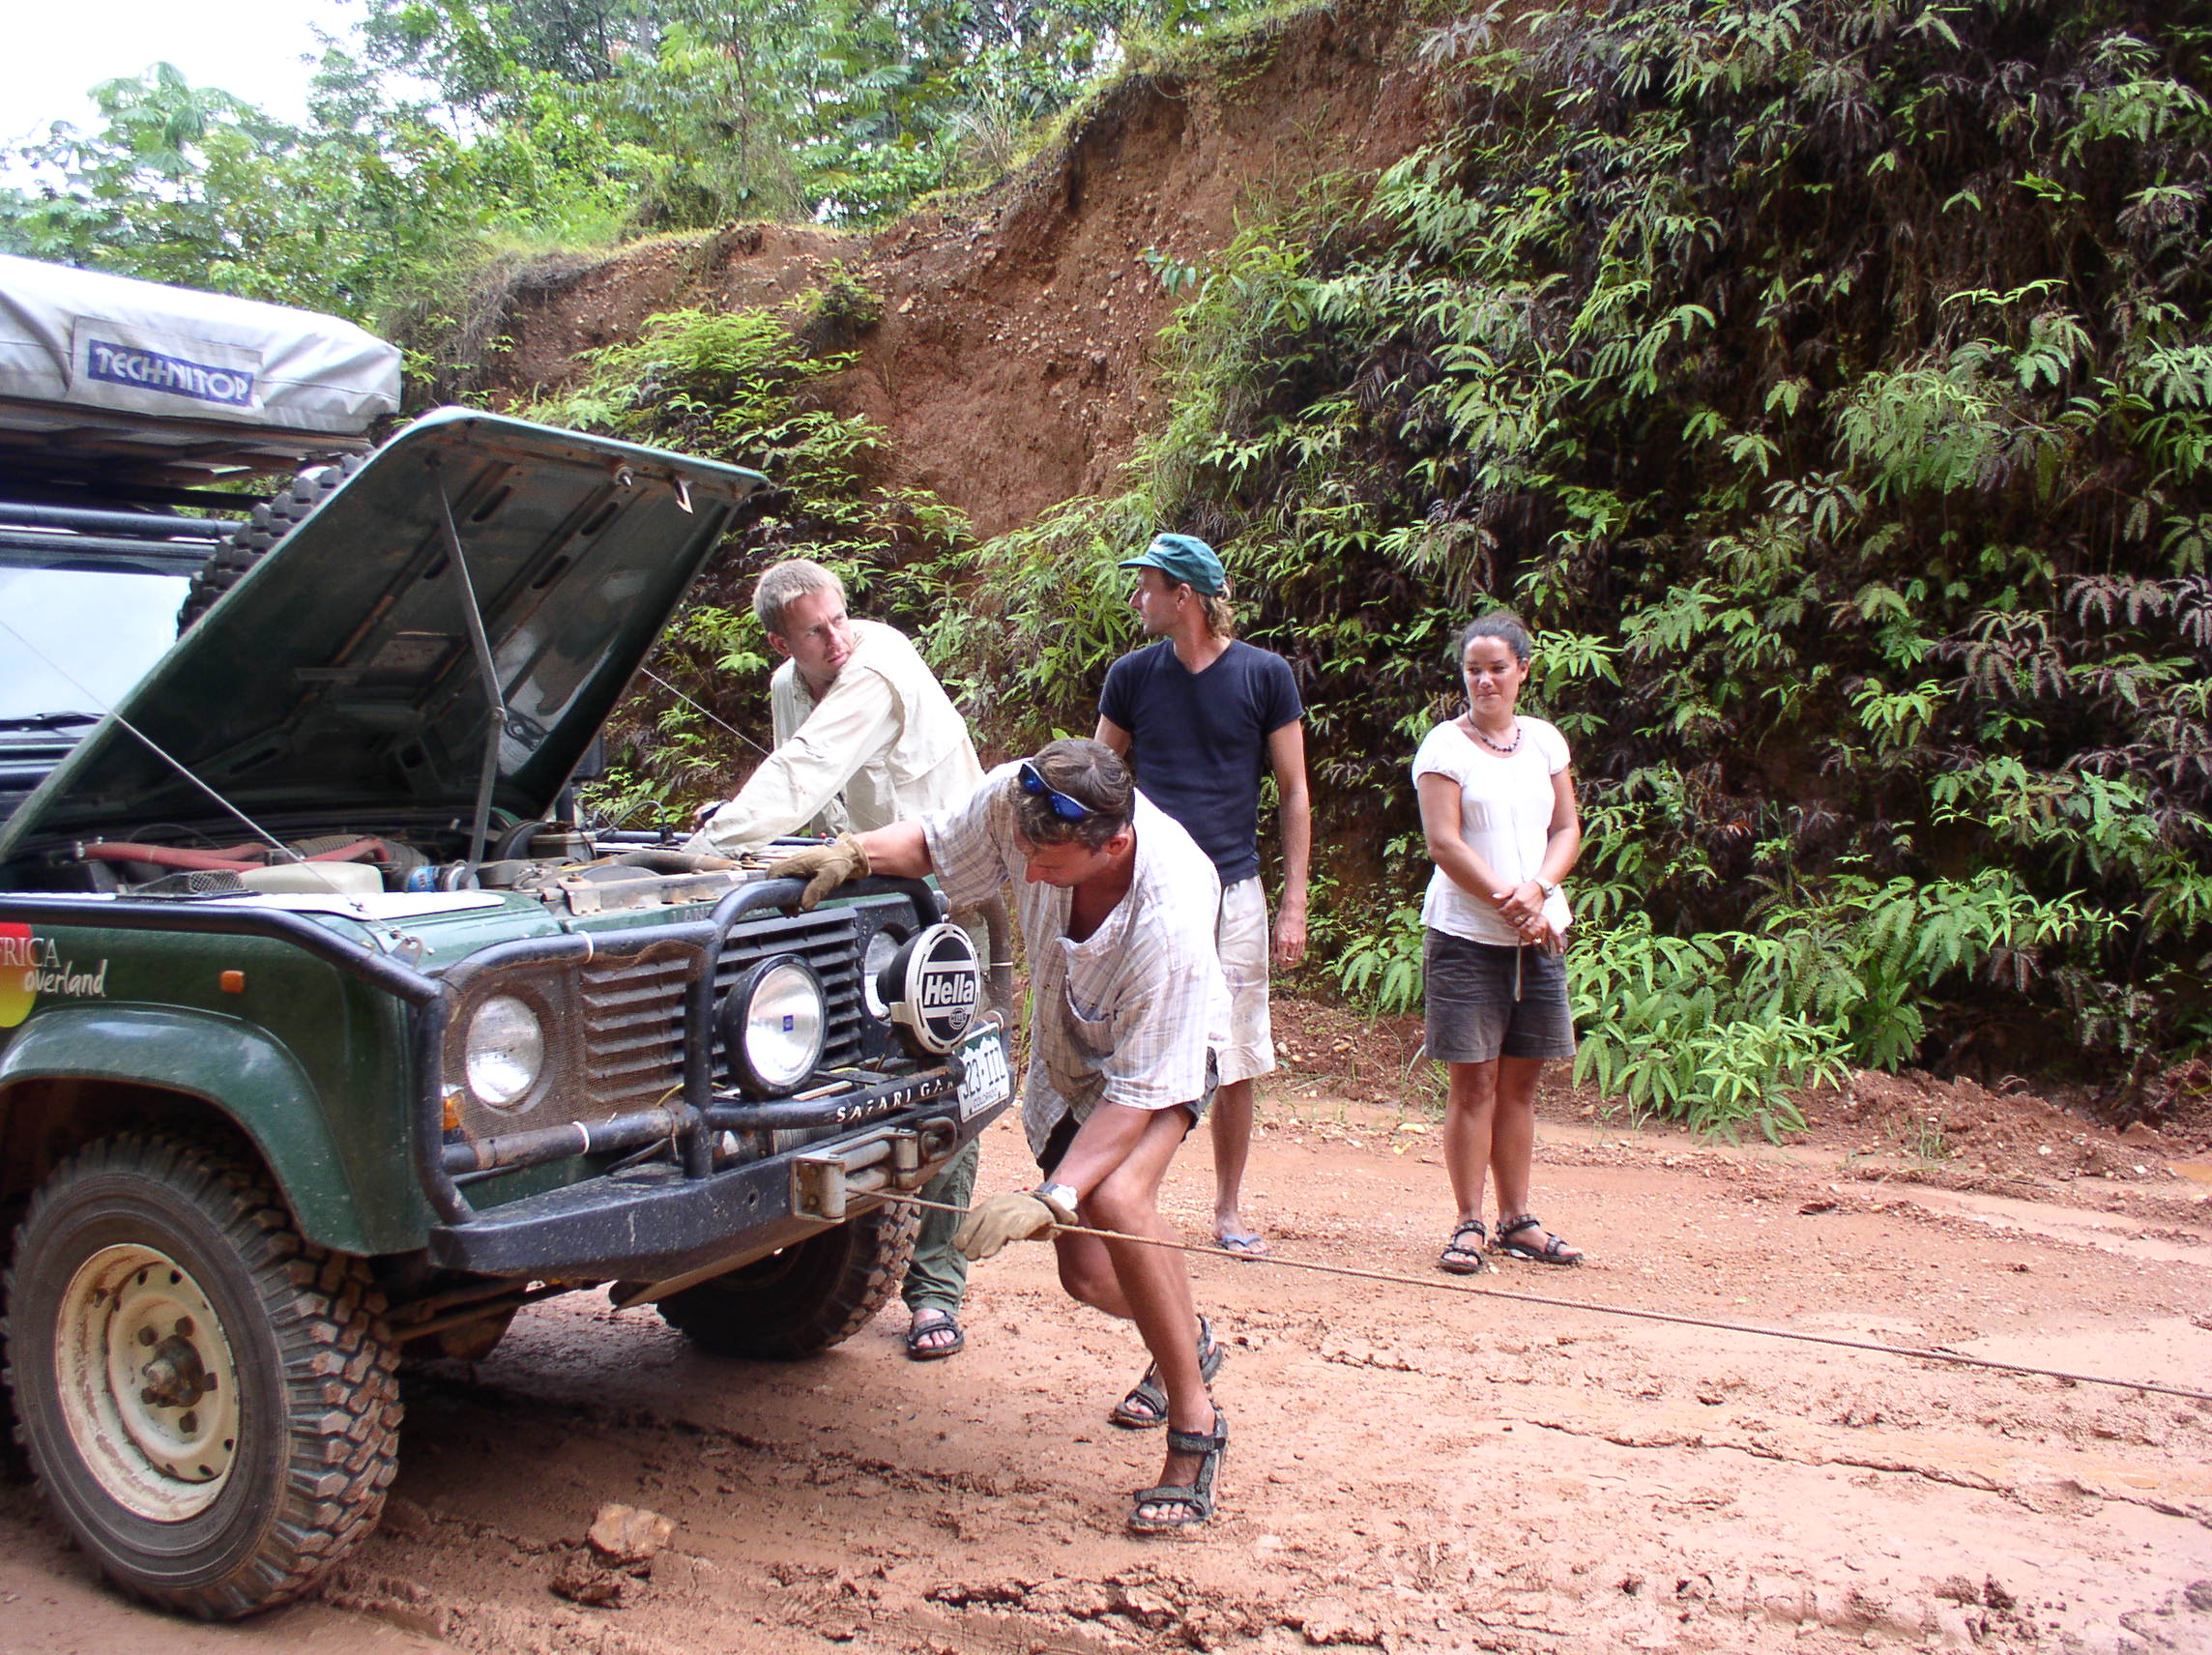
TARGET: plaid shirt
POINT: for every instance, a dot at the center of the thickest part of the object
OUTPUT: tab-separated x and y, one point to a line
1128	1014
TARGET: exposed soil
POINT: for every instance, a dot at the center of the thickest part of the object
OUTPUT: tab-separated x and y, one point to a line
1409	1471
1011	364
1912	1127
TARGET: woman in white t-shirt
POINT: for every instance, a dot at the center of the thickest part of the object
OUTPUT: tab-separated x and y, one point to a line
1498	807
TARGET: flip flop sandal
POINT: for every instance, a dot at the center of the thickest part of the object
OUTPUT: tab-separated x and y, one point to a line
918	1351
1196	1497
1553	1251
1458	1259
1250	1245
1146	1407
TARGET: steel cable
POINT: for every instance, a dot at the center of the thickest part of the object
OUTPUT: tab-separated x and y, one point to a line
1913	1351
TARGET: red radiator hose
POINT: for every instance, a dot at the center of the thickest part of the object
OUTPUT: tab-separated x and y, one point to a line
230	859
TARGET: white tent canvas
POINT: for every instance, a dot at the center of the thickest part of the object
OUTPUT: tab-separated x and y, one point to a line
89	339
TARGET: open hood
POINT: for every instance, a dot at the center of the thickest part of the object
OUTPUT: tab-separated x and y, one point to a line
338	679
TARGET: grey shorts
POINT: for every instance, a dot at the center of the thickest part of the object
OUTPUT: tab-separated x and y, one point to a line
1472	1013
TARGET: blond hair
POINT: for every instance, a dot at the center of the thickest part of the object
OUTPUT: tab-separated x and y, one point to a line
785	584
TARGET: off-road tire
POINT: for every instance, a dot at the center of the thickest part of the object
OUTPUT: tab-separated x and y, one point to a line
813	1294
260	534
315	1416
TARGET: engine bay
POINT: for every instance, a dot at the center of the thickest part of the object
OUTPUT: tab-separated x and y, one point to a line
564	866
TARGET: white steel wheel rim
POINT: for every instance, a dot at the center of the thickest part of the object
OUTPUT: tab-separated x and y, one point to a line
146	1383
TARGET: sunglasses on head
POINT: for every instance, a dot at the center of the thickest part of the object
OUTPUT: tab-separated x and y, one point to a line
1066	808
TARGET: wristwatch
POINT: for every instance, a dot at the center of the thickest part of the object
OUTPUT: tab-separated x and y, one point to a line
1547	886
1060	1200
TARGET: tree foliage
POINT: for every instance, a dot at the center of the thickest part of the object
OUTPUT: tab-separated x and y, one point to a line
732	386
448	130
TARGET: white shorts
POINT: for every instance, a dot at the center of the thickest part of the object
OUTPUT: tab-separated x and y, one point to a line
1241	937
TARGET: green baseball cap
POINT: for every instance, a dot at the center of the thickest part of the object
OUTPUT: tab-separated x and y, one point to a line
1185	557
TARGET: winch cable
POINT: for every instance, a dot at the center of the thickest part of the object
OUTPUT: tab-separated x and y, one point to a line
699	707
1913	1351
181	768
153	746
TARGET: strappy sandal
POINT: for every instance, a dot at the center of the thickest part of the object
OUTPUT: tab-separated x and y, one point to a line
1553	1251
1146	1407
1457	1258
920	1332
1196	1497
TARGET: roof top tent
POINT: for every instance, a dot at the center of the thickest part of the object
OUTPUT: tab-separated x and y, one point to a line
120	391
121	403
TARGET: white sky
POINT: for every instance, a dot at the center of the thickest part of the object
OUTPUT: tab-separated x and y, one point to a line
56	50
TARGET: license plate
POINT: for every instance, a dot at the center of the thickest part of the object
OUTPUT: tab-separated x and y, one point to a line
986	1079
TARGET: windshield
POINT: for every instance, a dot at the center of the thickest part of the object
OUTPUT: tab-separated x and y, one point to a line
96	631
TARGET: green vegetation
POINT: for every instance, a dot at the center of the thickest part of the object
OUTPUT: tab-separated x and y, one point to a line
448	134
1830	384
731	385
1827	382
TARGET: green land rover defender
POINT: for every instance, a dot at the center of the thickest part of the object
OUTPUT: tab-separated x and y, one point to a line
323	1039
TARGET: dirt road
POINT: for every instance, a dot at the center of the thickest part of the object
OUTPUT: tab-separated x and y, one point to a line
1411	1469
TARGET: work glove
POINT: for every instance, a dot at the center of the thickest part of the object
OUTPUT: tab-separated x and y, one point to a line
824	867
1012	1215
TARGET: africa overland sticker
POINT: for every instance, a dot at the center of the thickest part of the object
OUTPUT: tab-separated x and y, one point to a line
31	966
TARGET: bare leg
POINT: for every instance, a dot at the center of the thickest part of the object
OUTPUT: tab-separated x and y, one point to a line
1087	1273
1229	1121
1513	1132
1152	1287
1128	1280
1513	1142
1469	1116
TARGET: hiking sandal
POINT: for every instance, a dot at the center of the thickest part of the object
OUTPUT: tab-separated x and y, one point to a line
1457	1258
1146	1407
919	1331
1196	1497
1553	1251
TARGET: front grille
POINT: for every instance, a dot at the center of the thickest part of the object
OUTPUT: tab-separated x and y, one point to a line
631	1015
629	1023
830	943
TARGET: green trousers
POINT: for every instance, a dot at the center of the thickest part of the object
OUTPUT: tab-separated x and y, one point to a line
938	1277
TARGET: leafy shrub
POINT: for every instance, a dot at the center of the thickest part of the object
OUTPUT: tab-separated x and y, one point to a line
1830	384
730	386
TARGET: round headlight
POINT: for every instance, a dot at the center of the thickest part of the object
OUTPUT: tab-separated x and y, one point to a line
773	1023
882	949
504	1051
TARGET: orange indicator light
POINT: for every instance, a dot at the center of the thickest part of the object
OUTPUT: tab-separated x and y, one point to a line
233	982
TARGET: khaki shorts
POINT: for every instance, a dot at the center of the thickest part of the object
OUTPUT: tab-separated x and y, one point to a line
1242	937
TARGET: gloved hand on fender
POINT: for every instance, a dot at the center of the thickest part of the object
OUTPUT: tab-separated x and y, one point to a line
824	867
1012	1215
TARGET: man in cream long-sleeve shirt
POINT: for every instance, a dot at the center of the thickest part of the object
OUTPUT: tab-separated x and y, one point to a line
864	737
864	734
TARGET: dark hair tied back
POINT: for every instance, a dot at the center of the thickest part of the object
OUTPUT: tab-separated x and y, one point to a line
1499	624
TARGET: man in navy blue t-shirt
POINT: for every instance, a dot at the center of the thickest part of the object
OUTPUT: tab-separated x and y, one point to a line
1203	717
